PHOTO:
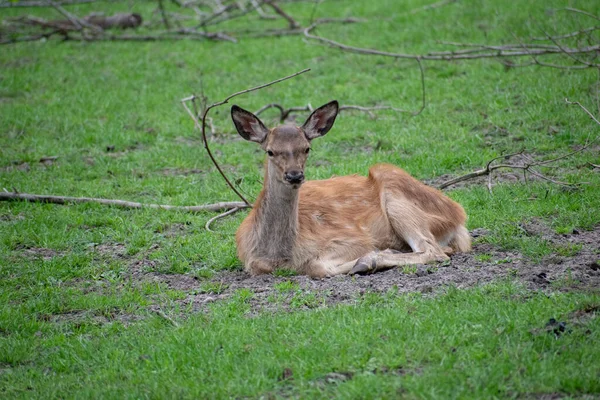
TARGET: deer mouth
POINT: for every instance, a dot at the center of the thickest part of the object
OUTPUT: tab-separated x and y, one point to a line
294	185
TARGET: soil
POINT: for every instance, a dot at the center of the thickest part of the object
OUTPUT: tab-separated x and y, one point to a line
484	264
580	270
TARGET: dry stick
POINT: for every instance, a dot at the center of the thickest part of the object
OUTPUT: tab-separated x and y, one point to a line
78	22
293	23
527	167
504	51
216	217
164	316
583	108
578	11
163	13
542	63
207	110
432	6
175	35
290	32
37	198
570	35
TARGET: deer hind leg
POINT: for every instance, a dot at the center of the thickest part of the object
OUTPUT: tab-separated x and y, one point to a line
410	225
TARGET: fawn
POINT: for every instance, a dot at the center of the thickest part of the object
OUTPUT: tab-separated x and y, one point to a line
349	224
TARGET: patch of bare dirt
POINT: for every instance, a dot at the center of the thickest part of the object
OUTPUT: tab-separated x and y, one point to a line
484	265
41	252
16	166
172	230
112	250
579	270
144	271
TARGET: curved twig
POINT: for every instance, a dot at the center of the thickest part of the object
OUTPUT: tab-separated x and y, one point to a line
207	110
222	215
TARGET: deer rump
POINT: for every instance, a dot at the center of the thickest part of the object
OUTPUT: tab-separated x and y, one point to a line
350	224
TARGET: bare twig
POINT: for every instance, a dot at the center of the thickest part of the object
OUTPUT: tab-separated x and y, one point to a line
291	21
77	22
38	198
202	126
163	13
584	109
527	166
483	52
216	217
578	11
432	6
164	316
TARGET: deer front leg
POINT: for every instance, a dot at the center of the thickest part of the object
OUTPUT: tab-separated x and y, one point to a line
259	267
380	260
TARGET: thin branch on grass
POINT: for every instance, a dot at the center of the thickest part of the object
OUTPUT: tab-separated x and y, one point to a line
483	52
38	198
164	316
76	21
202	127
432	6
163	13
526	167
216	217
584	109
291	21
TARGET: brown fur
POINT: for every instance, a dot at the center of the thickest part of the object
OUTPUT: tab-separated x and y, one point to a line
343	224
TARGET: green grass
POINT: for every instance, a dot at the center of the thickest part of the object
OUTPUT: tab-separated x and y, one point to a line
487	342
74	324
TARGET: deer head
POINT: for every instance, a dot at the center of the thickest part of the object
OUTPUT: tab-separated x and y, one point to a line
287	146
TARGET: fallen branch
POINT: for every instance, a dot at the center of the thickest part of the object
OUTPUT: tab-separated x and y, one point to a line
484	51
38	198
291	21
526	167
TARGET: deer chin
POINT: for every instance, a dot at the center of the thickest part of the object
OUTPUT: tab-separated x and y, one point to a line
293	186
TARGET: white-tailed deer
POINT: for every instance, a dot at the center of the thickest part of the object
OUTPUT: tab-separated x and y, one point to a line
349	224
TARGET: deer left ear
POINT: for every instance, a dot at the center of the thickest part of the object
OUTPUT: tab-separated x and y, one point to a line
321	120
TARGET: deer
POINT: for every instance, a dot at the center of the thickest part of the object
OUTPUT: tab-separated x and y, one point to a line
341	225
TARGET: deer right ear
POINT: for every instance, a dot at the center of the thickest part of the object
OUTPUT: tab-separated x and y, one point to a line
248	125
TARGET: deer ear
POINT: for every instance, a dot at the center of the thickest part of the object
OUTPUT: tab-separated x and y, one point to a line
321	120
248	125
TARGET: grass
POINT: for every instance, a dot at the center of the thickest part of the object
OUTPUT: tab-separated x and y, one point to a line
487	342
74	324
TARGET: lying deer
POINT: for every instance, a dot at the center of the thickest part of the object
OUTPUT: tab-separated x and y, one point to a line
349	224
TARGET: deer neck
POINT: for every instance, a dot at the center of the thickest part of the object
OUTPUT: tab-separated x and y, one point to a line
277	219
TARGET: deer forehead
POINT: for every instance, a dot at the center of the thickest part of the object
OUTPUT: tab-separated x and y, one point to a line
287	138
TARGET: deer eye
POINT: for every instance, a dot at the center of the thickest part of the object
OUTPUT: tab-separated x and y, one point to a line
270	153
307	150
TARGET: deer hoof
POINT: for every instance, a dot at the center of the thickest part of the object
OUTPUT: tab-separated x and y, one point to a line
365	265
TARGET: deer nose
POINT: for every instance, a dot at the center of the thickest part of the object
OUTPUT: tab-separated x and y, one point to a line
294	177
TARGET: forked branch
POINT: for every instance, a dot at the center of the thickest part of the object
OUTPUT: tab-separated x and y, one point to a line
529	165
